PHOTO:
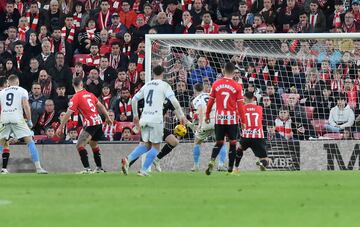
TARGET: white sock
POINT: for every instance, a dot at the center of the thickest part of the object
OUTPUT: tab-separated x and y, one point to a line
37	165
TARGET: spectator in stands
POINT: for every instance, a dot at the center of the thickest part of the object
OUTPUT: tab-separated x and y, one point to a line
330	53
347	134
197	12
273	95
126	134
341	116
288	16
122	81
337	16
347	64
90	35
127	15
138	85
295	77
69	37
186	26
106	98
51	138
55	16
268	12
103	17
139	30
116	58
46	58
55	39
122	108
269	110
60	100
150	16
60	72
248	29
33	47
203	70
43	34
256	91
208	25
11	37
37	102
9	68
105	47
351	93
224	10
173	13
80	15
183	94
116	29
337	82
246	17
313	83
303	25
259	24
234	25
79	71
93	83
4	53
72	135
35	17
8	18
31	75
271	72
106	73
112	132
47	118
46	83
283	125
324	104
162	26
316	17
23	30
92	60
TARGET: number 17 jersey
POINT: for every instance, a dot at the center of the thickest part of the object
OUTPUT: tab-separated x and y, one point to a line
154	94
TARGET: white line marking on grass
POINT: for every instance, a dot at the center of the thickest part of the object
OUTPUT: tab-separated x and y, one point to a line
5	202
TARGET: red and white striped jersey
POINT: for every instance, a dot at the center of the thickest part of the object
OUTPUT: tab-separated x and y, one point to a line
251	121
111	130
283	127
85	102
228	96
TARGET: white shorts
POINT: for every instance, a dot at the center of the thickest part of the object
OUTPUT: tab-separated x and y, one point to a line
16	130
152	132
203	134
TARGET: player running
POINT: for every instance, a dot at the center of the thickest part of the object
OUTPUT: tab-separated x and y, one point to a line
154	93
14	103
6	149
88	105
204	130
227	94
252	134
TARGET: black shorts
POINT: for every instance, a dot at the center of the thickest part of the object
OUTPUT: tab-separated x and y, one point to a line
258	146
230	131
95	131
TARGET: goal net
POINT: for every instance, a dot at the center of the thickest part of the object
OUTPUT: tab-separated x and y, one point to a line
307	83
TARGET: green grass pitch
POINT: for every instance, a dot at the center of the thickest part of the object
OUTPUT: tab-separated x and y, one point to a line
181	199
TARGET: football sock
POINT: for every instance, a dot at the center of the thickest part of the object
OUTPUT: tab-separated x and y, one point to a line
196	154
232	155
239	155
97	157
216	150
222	155
132	162
1	149
264	162
5	158
150	156
137	152
84	157
33	151
167	148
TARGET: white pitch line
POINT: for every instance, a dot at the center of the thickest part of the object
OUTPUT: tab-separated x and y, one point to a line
5	202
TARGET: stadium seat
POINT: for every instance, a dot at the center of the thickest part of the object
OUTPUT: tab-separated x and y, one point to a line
39	137
79	57
319	126
285	98
309	112
335	136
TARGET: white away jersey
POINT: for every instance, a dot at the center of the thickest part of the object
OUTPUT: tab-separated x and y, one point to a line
11	104
154	94
202	100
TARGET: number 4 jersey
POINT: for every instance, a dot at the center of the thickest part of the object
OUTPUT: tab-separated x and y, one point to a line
228	96
85	102
251	121
11	104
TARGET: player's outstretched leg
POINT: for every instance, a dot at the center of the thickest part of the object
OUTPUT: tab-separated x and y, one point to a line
5	157
222	157
97	157
150	156
132	157
239	155
214	154
171	143
34	155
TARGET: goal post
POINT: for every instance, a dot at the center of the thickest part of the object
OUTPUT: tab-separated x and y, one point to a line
303	75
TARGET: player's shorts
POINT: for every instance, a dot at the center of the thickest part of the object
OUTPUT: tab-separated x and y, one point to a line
230	131
16	130
202	134
152	132
95	131
258	146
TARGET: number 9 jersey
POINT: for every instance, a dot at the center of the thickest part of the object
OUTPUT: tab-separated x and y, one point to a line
11	104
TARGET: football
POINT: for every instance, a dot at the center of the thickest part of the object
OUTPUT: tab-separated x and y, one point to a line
180	130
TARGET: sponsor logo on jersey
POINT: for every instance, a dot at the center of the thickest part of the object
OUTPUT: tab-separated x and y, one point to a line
225	117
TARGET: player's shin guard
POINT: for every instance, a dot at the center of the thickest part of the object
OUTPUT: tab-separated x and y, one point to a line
196	154
97	157
222	155
167	148
232	155
137	152
5	157
84	157
216	149
150	156
239	155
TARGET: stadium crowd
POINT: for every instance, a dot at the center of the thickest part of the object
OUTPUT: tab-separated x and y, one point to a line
47	43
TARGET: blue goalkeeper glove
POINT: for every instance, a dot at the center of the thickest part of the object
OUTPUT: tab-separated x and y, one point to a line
29	123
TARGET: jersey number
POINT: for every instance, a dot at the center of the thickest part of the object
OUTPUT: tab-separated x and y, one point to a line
226	98
9	99
248	118
149	97
91	105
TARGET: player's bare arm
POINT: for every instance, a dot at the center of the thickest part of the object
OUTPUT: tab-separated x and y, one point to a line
103	110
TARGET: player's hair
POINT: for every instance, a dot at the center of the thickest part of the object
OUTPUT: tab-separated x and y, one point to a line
77	81
229	68
2	81
13	78
158	70
199	87
249	95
